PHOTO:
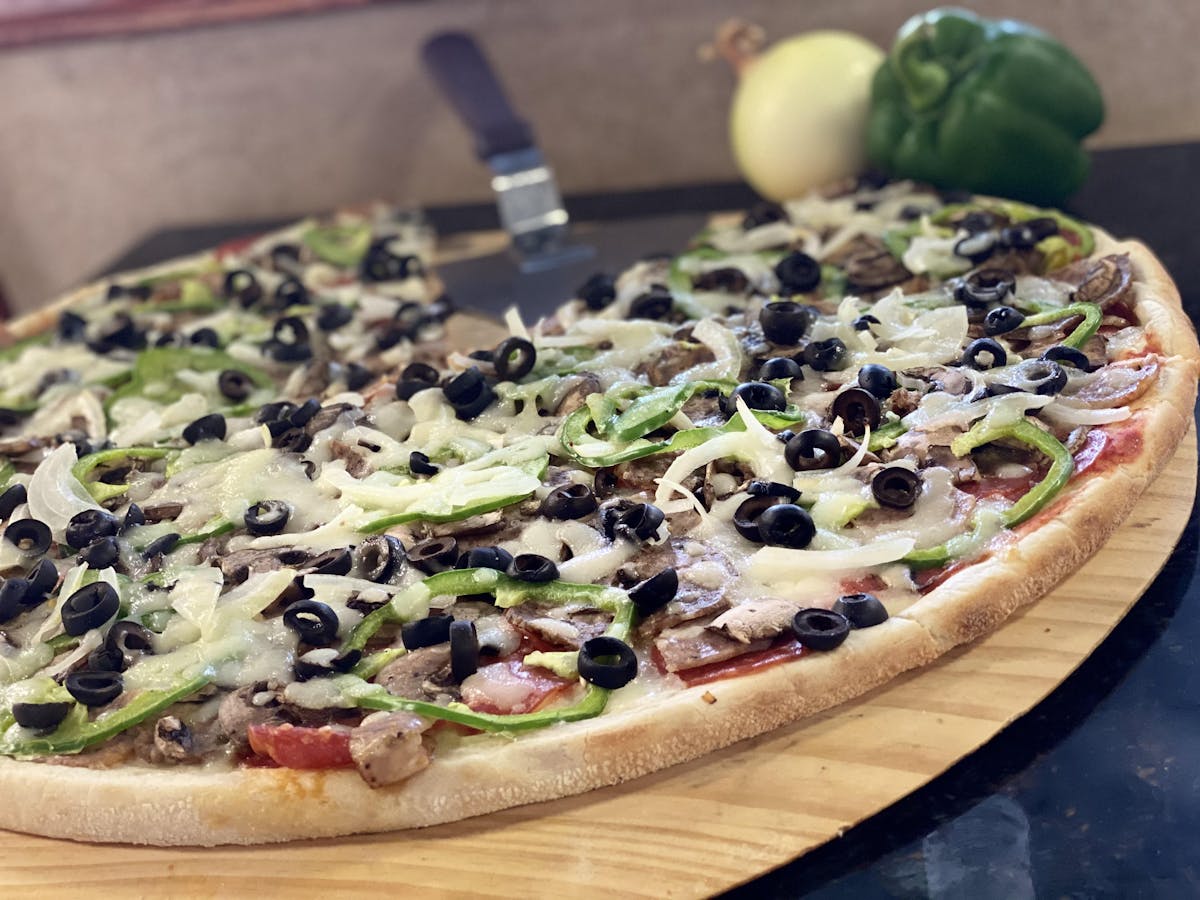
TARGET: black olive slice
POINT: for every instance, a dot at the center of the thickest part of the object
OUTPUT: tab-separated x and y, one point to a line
316	663
100	553
1061	354
205	428
14	495
42	580
357	376
639	522
570	501
773	489
879	381
533	568
315	622
205	337
128	642
333	316
513	358
427	632
1027	234
784	322
464	650
94	688
864	323
469	393
243	287
419	464
235	384
653	304
290	293
983	354
71	327
31	536
415	377
779	367
607	662
1002	320
599	291
338	561
764	213
655	592
434	555
161	545
861	610
1032	376
278	410
786	525
13	594
304	413
896	487
858	409
745	518
977	246
89	607
267	517
984	287
798	273
829	355
89	525
756	395
486	558
40	716
133	517
813	448
380	557
820	629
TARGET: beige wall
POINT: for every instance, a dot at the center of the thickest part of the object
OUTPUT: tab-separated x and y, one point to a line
103	141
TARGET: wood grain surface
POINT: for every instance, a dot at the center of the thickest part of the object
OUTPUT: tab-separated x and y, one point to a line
694	829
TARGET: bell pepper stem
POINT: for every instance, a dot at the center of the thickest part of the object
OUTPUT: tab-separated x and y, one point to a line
924	80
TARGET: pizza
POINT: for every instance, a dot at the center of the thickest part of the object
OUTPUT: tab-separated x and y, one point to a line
293	548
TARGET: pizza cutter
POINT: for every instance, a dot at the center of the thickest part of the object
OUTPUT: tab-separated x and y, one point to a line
530	205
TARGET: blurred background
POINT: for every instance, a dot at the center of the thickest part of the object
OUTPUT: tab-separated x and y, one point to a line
119	117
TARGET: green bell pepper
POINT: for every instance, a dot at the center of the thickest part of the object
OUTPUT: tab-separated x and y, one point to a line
340	245
101	491
1062	465
1092	315
158	367
77	733
993	106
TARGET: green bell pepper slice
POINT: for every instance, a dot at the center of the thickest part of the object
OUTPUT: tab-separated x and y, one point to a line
100	491
77	733
158	366
655	409
1092	315
1062	465
339	245
993	106
510	592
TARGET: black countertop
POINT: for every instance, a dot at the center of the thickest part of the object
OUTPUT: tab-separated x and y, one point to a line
1095	792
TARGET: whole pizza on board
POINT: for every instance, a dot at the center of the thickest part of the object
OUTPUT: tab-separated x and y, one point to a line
291	548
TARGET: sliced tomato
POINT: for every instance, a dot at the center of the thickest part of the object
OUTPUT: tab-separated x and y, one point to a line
510	687
297	747
784	649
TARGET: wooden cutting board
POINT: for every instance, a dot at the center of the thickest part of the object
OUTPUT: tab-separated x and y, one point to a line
695	829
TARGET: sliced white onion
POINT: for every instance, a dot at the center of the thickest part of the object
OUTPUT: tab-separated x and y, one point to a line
55	495
776	564
1061	414
726	350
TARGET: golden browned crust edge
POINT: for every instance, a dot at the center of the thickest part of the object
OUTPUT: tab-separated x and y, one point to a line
186	807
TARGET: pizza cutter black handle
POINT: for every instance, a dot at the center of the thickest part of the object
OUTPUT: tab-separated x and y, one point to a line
466	78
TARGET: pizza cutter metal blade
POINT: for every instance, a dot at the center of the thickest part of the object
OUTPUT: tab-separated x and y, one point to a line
530	205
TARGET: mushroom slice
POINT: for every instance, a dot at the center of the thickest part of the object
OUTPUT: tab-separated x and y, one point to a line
756	619
387	747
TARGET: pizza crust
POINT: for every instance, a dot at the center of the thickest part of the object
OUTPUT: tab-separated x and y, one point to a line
183	806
